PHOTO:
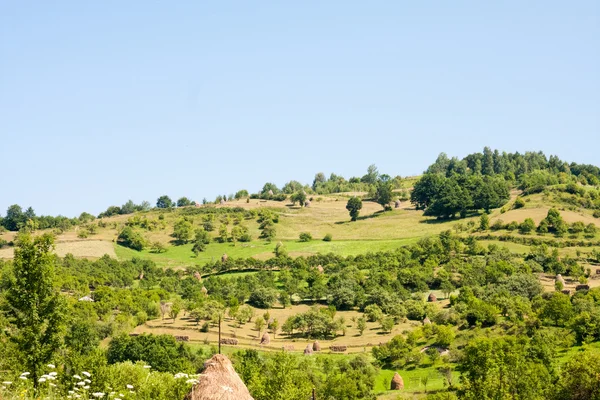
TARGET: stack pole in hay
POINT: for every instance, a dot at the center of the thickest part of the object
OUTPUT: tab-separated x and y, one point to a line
265	340
397	382
308	351
316	346
219	381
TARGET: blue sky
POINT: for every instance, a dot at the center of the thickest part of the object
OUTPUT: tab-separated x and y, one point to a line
104	101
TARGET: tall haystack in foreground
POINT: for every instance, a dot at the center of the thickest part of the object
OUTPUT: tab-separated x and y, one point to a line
219	381
397	382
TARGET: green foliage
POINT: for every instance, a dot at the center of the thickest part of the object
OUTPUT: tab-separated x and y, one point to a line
305	237
519	202
499	368
162	352
132	239
484	222
164	202
383	193
527	226
182	230
33	306
579	378
354	206
263	297
183	202
299	197
328	237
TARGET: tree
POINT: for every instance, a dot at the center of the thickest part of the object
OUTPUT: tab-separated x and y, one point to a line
183	202
263	297
35	307
259	324
361	325
425	190
14	218
240	194
383	193
484	222
354	206
132	239
579	378
305	237
371	176
527	226
182	230
298	197
164	202
319	179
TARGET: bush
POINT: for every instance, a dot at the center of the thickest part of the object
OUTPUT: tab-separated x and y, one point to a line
132	239
328	237
512	226
205	327
305	237
527	226
499	224
597	214
519	202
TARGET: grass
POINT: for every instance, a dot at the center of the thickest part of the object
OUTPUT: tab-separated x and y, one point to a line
413	380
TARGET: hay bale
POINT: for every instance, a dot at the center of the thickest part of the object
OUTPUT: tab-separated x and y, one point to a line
432	298
307	203
198	276
265	340
397	204
204	291
224	258
229	341
397	382
183	338
598	272
338	348
320	269
308	351
141	276
559	278
426	321
134	334
270	193
219	381
222	202
316	346
582	287
566	291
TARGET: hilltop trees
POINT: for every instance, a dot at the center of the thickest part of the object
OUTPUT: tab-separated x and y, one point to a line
34	307
164	202
354	206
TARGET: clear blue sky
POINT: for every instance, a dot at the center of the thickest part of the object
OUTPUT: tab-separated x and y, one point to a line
104	101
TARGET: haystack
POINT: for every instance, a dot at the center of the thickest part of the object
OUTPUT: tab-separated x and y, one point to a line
270	193
141	276
219	381
308	351
316	346
559	278
320	269
431	298
397	204
307	203
222	201
198	276
426	321
224	258
397	382
266	339
204	290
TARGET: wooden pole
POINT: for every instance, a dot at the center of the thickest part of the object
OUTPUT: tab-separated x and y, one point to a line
314	397
219	333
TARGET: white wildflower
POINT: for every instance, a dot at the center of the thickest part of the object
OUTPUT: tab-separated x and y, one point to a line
7	383
86	387
147	366
51	366
53	373
52	384
98	394
129	386
81	383
25	373
23	377
42	380
77	377
86	373
87	381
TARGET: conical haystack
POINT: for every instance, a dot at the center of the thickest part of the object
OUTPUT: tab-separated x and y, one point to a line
397	204
320	269
397	382
204	291
426	321
559	278
308	350
316	346
432	298
224	258
219	381
266	339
